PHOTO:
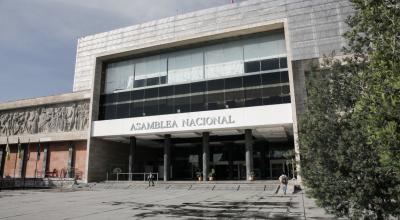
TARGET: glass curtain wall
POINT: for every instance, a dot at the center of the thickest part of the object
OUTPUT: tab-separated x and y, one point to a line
235	57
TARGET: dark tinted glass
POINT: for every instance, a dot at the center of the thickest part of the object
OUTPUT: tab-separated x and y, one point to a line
215	101
284	77
271	78
253	97
151	93
232	83
166	106
283	62
137	109
163	79
286	99
270	64
215	84
166	91
272	100
124	96
182	89
253	80
198	103
271	91
102	113
285	89
234	99
182	104
150	107
198	87
137	95
108	98
110	112
139	83
123	111
253	66
153	81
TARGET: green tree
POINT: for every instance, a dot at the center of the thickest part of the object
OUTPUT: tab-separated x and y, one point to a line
350	133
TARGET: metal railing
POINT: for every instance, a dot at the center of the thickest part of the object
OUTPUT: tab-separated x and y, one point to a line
130	176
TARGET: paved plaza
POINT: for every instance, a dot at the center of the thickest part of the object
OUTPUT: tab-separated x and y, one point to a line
160	202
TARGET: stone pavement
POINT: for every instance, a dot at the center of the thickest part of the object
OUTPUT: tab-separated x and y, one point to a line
156	203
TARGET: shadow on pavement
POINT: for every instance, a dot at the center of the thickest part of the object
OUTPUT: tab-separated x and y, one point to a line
219	209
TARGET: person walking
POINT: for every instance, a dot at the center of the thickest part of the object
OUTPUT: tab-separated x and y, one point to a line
150	178
283	179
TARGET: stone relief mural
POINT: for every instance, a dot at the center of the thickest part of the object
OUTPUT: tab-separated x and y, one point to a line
64	117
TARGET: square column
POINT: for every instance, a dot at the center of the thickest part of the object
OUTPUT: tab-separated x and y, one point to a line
249	152
71	161
132	152
167	156
206	155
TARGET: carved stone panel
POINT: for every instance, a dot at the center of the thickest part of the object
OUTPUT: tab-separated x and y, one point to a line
64	117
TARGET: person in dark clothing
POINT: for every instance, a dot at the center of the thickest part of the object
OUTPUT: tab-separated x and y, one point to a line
150	178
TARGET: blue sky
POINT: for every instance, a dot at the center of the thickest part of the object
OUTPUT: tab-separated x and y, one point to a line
38	37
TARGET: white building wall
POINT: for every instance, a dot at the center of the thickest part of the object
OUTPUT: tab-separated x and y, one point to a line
315	28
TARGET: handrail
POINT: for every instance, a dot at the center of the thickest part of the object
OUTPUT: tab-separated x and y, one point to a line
130	176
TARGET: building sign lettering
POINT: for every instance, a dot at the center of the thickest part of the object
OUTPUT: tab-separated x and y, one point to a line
188	122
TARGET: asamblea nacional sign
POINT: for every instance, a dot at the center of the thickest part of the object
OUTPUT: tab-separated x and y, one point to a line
186	122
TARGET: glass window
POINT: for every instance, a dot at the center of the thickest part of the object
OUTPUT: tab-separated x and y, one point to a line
272	100
153	81
223	59
150	67
185	66
272	44
119	76
150	108
151	93
286	99
253	66
217	84
233	83
166	91
108	98
136	109
166	106
140	83
198	87
271	78
163	80
285	90
182	104
102	113
283	62
123	111
110	112
270	64
215	101
253	97
124	96
271	91
198	103
182	89
252	80
137	95
284	77
234	99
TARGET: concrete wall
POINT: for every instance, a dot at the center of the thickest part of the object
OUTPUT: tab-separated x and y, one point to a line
104	156
315	28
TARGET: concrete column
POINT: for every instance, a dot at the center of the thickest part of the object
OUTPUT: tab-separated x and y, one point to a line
249	152
45	164
24	160
2	159
132	152
206	154
167	156
230	160
70	165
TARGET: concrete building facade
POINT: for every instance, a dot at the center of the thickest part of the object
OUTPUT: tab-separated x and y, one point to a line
213	91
